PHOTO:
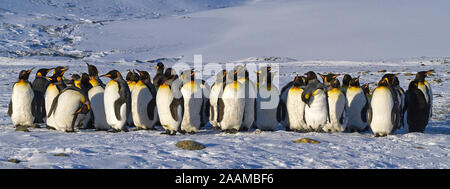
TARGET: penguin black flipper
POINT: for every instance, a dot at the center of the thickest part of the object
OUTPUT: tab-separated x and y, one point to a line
220	111
279	112
151	109
174	107
117	104
364	110
54	104
211	111
33	107
370	115
10	108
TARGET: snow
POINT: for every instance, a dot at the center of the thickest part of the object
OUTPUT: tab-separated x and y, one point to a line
356	37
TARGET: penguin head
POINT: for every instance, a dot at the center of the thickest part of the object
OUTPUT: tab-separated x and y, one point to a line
334	83
60	70
310	75
187	75
299	81
242	72
143	75
413	85
43	72
354	82
84	82
346	80
420	76
134	77
392	79
25	74
128	76
384	82
221	76
160	67
75	79
366	88
170	75
92	70
327	78
113	74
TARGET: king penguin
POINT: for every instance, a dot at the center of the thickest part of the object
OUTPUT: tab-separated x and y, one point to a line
327	79
345	83
295	107
337	104
117	99
383	111
143	102
268	107
169	101
416	112
71	107
56	85
250	97
216	92
131	78
193	102
231	105
40	84
315	98
22	104
158	79
425	87
399	96
283	101
97	99
357	107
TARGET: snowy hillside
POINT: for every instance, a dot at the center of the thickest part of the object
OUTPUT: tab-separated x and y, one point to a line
362	38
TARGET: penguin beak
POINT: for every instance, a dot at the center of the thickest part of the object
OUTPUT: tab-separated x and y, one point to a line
106	75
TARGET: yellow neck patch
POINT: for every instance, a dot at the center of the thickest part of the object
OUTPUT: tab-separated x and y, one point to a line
93	81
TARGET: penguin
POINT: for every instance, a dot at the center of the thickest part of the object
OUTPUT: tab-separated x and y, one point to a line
250	97
56	85
295	106
74	81
96	97
345	83
206	90
337	106
366	90
216	92
231	105
193	99
283	101
71	107
383	111
268	107
357	107
315	97
327	79
93	74
131	78
169	101
22	105
158	79
143	103
117	99
425	87
40	84
399	95
416	111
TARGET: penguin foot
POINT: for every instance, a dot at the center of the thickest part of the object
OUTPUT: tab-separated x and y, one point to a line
230	131
192	132
114	130
183	132
243	129
216	128
49	127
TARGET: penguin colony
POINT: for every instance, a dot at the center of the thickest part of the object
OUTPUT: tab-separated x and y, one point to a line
182	103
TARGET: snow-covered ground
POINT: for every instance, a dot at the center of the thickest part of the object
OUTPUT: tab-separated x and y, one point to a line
356	37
